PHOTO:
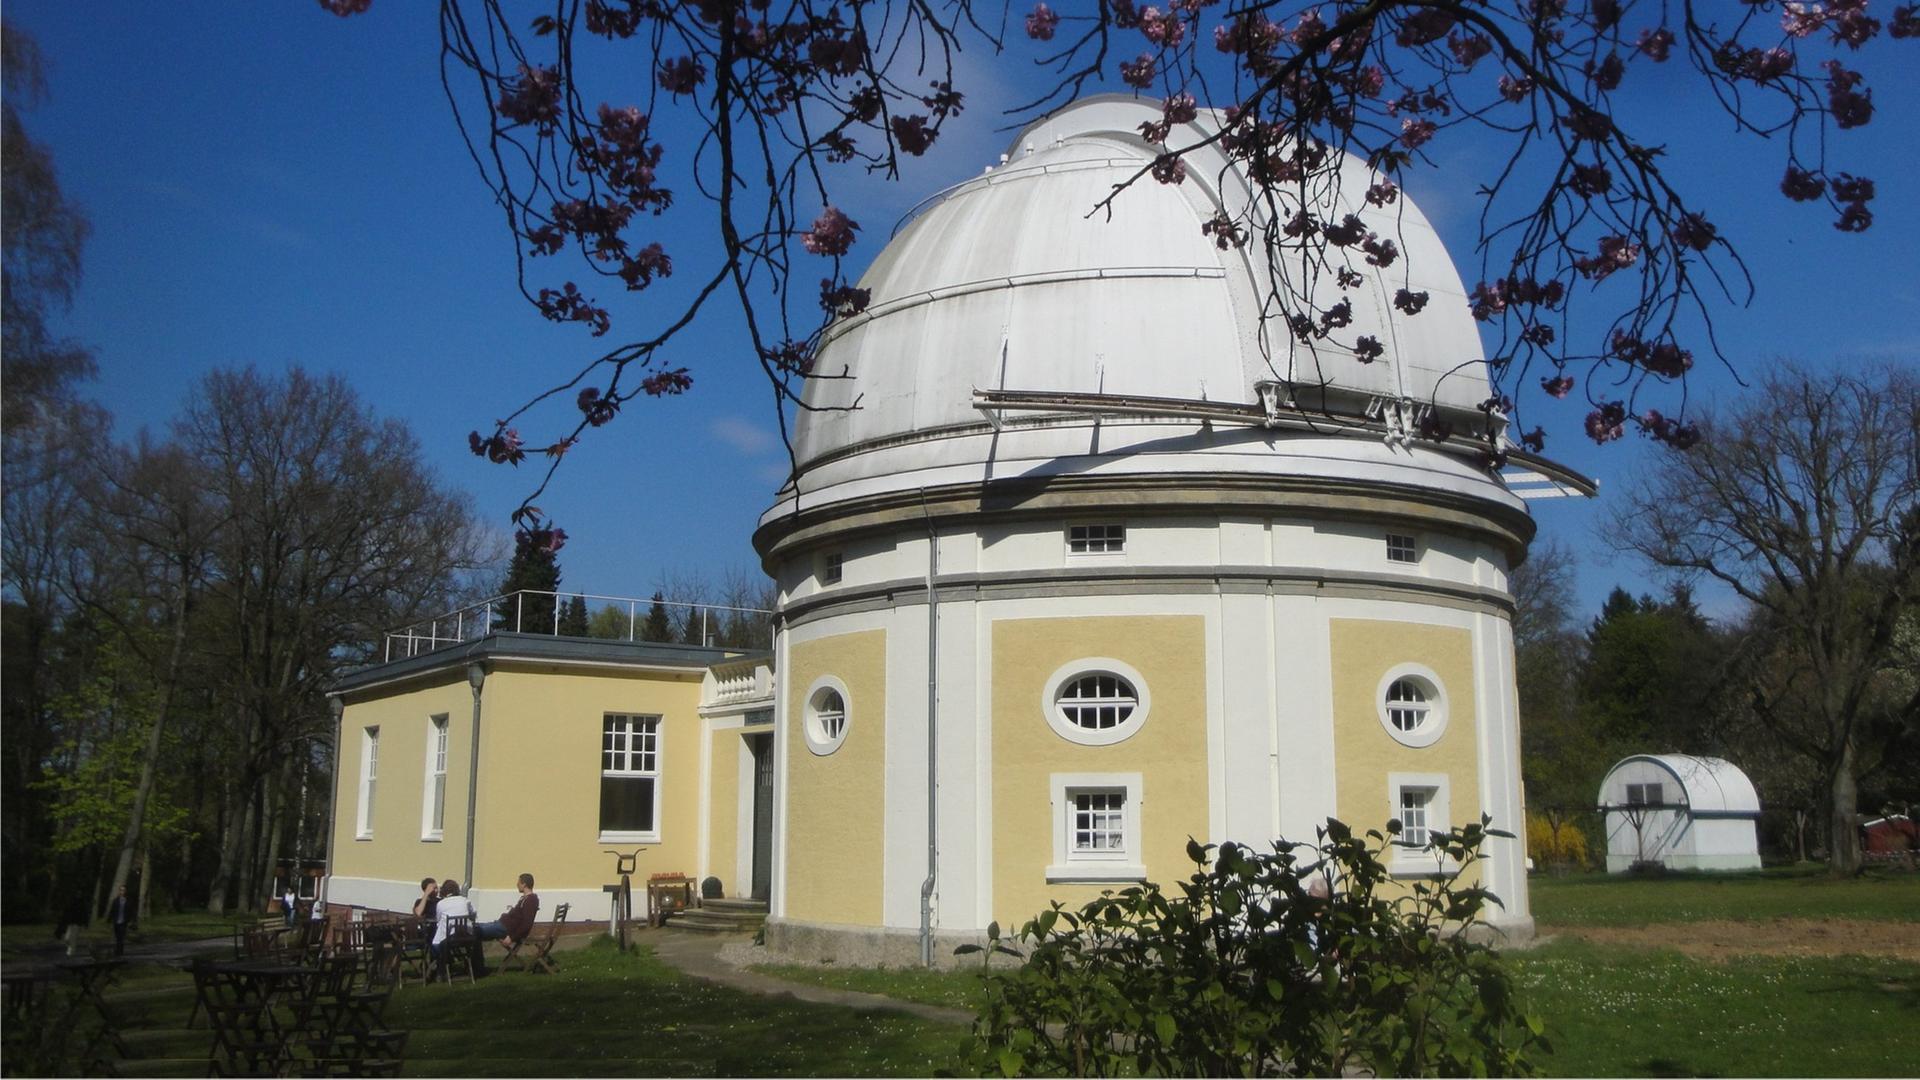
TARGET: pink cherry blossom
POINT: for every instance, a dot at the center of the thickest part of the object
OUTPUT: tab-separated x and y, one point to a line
832	233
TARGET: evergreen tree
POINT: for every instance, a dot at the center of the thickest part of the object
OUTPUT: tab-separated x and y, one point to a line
693	632
531	576
573	617
658	626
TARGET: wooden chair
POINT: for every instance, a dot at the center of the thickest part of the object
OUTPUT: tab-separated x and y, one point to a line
538	945
458	947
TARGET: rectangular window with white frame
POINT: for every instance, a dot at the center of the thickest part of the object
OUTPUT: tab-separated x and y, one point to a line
1419	802
1096	834
433	806
369	781
832	567
630	778
1646	794
1103	538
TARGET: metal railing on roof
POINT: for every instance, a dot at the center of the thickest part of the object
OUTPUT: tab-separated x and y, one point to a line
533	611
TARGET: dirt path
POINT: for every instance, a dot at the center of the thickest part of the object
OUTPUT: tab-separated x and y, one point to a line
1721	939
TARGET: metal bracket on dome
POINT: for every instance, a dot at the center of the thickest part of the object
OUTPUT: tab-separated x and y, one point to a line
1402	416
1271	401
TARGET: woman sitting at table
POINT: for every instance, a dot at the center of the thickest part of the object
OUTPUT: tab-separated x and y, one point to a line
452	905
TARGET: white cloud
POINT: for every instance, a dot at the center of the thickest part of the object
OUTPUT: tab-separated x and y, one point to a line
744	436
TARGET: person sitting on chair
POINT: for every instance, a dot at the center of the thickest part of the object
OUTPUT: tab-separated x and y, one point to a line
451	905
514	924
428	900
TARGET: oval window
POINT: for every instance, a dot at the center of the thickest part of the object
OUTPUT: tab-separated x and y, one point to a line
825	724
1413	707
1095	701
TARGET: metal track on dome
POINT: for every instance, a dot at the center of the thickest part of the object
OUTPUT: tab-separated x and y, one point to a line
1542	479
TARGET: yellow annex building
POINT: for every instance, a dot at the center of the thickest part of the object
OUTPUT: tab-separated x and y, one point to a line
1077	563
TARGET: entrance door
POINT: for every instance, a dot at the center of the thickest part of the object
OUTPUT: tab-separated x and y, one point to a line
762	746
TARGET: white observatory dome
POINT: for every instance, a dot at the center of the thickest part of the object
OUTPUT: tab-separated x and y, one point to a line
1120	321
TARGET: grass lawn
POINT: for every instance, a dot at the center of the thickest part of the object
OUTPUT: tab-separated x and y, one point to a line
605	1014
609	1014
175	926
1643	1012
1612	1010
1792	892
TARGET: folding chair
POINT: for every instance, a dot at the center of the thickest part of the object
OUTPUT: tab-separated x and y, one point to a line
539	945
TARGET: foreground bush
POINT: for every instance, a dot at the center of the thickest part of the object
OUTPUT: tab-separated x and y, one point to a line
1306	960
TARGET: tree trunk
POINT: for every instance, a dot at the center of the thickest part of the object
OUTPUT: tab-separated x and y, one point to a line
1843	847
136	818
146	884
229	842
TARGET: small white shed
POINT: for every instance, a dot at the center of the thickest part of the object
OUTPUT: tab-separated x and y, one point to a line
1686	812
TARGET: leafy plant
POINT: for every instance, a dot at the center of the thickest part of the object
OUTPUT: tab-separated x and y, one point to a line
1309	960
1556	842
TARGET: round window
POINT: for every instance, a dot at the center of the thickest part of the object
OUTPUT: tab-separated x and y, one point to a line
825	725
1412	705
1096	701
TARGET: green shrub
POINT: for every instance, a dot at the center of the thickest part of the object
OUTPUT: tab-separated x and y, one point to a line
1308	960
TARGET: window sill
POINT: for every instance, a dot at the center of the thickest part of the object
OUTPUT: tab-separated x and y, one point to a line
362	836
433	838
629	837
1416	865
1097	873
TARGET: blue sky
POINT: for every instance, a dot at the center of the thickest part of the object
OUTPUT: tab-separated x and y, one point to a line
271	185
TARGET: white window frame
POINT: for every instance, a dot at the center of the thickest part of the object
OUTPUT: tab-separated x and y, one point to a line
1073	671
1435	692
1122	864
812	726
1410	860
1096	540
1408	543
833	567
634	722
433	790
369	780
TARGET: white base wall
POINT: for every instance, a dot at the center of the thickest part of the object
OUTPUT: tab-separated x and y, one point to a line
1618	864
379	894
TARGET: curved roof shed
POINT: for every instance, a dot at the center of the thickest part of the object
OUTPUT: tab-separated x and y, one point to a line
1680	810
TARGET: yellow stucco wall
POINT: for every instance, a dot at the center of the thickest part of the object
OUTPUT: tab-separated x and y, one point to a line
723	812
1362	651
1169	750
395	849
540	775
539	804
836	803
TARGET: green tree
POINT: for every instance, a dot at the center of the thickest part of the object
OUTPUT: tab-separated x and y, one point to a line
1651	675
573	617
532	575
658	625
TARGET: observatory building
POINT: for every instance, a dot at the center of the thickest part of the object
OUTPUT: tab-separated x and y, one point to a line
1085	555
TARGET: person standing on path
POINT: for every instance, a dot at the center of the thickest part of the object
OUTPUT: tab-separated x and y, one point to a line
120	914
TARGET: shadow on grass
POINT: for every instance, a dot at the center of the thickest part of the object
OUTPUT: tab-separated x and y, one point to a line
613	1014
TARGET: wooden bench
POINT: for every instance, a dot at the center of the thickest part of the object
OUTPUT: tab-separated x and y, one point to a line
538	945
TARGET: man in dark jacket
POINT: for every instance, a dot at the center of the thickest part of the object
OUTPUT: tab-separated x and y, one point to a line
514	924
120	914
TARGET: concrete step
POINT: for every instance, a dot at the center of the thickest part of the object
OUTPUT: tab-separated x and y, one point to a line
709	921
754	907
